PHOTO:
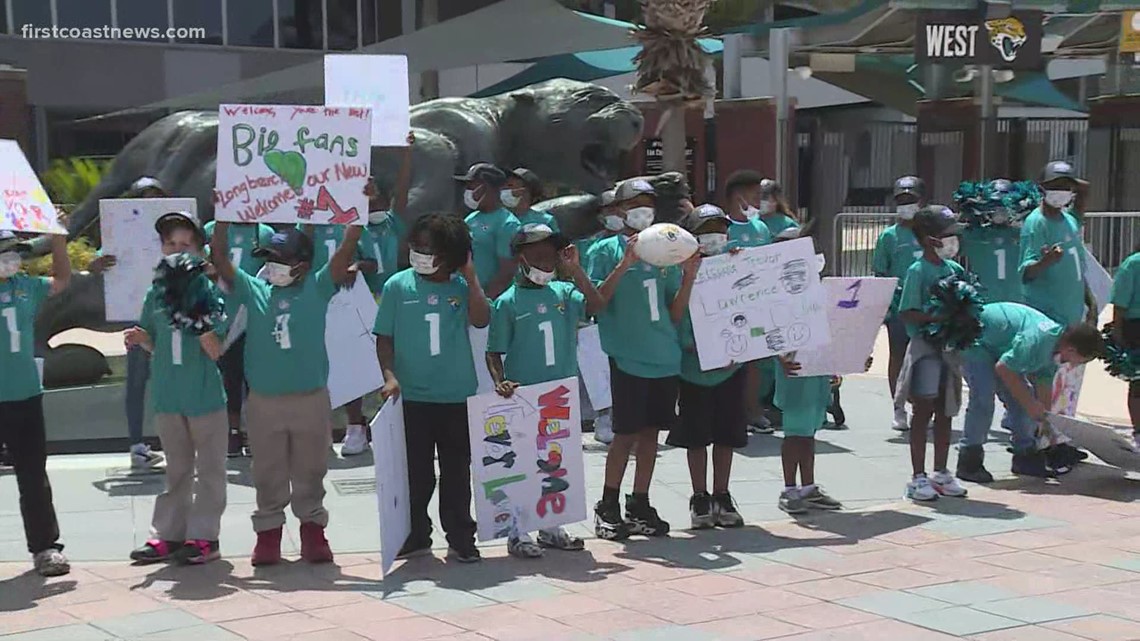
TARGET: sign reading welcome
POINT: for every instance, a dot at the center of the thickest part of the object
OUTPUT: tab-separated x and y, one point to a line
967	37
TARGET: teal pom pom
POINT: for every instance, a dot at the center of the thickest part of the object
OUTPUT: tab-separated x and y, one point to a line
1121	362
957	300
186	295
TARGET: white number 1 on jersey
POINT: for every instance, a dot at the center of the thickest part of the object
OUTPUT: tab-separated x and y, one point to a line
547	329
651	290
433	333
13	329
281	332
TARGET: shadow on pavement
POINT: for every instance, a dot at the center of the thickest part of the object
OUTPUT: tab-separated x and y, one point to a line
25	591
1087	479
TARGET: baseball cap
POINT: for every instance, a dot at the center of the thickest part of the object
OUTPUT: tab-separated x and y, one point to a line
484	172
291	246
144	183
769	187
701	215
536	233
1059	170
936	220
608	197
176	219
530	181
632	188
912	185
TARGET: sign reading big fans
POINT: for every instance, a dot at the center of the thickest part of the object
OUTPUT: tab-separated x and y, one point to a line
293	164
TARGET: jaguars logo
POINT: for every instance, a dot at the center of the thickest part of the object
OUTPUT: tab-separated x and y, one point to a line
1007	35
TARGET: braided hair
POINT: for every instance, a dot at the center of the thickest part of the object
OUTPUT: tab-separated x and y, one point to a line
449	237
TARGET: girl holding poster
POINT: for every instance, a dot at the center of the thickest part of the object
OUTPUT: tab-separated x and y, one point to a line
534	328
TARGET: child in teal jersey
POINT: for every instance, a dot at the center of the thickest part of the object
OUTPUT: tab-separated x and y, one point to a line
639	333
534	329
775	212
492	226
937	229
287	367
425	352
1125	299
712	404
522	190
22	428
189	406
992	249
385	225
895	251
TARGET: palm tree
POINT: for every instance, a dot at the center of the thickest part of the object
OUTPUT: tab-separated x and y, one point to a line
671	67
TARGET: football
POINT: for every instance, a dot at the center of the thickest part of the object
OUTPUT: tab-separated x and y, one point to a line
665	244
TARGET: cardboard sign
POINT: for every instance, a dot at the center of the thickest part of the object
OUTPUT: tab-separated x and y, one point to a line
354	370
1110	445
126	226
377	82
293	164
24	205
390	458
1098	280
526	459
594	368
967	37
760	302
855	310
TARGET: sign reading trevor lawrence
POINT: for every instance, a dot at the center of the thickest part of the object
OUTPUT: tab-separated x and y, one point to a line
526	459
965	36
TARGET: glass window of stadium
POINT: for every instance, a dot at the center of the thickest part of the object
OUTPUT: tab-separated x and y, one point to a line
31	12
143	14
301	23
82	13
205	14
249	23
343	24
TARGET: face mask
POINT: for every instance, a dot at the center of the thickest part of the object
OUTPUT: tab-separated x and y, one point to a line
949	248
613	223
510	200
749	211
639	217
767	207
712	244
907	212
536	275
470	200
377	217
1058	197
422	264
9	264
999	218
279	274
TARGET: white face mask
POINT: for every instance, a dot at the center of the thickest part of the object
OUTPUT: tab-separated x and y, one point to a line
749	211
639	217
949	248
907	212
999	217
510	200
1058	197
9	264
613	223
422	264
767	207
469	199
377	217
712	244
279	274
536	275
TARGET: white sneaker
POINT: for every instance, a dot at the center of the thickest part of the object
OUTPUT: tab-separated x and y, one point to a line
355	441
901	422
604	428
142	456
920	489
1136	441
945	484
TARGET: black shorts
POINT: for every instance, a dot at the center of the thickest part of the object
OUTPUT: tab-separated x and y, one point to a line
712	415
1132	341
642	403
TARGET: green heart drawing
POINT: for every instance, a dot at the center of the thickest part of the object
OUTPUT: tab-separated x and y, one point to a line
288	165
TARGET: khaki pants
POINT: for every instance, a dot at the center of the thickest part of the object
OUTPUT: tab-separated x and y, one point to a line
289	436
191	508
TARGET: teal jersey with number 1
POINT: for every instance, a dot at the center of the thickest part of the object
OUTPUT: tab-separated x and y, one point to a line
1059	289
993	254
327	238
242	239
183	380
385	238
491	235
20	300
536	329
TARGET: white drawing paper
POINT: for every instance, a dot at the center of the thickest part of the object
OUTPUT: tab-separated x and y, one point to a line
379	82
390	457
855	311
354	370
594	368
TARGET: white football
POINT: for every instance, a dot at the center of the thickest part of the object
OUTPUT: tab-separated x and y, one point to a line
665	244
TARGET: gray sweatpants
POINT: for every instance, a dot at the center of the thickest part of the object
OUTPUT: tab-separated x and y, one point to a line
289	436
195	497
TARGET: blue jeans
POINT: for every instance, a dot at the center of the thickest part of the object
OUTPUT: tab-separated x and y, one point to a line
984	385
138	371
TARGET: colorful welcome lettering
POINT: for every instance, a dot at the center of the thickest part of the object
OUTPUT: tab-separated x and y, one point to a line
553	409
497	450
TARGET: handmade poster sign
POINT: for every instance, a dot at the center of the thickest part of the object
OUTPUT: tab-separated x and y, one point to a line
390	457
757	303
594	368
1110	445
24	205
353	368
526	459
1066	392
377	82
1098	280
293	164
855	311
127	228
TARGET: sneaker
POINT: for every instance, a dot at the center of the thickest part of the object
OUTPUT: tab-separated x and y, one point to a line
642	518
901	422
1031	464
355	441
945	484
236	447
700	511
724	511
817	499
791	502
465	553
761	426
920	489
608	524
559	539
155	551
143	457
268	548
832	425
51	562
604	429
412	549
314	546
524	548
1073	454
198	552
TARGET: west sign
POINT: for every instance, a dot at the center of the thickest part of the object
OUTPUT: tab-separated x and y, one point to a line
967	37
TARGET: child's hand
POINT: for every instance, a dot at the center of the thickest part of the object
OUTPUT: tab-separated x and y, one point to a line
211	344
732	251
101	264
391	389
468	269
691	265
630	256
569	256
136	337
506	389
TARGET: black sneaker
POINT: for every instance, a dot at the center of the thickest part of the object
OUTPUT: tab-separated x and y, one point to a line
1074	454
1031	464
642	518
198	552
155	551
608	524
818	499
465	553
1059	460
700	511
724	511
236	445
413	549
